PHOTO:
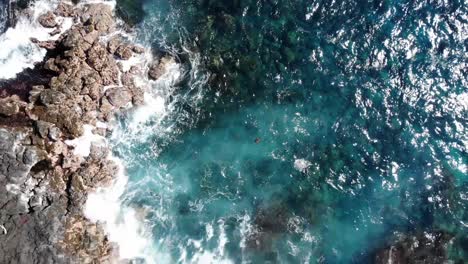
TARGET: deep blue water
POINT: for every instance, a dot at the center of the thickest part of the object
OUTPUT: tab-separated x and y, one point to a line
370	97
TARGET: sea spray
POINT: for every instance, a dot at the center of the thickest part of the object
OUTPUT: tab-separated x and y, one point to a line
125	224
77	124
18	52
121	222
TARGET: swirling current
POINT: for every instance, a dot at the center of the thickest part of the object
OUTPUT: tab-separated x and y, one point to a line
304	131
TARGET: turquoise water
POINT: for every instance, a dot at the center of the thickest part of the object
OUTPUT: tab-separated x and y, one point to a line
305	131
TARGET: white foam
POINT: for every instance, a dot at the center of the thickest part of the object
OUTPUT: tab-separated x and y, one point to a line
146	118
209	231
207	257
302	165
153	106
172	74
120	222
223	240
18	52
110	3
82	145
133	61
100	124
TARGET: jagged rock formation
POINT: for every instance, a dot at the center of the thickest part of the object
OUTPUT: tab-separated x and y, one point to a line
36	206
158	68
43	183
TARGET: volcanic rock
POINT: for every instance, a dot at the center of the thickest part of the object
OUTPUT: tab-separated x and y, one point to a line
9	106
64	10
119	96
47	20
158	69
124	52
44	182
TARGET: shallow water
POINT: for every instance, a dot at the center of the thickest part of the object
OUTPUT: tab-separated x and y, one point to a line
307	131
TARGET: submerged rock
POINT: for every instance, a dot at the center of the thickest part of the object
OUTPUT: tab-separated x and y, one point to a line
423	248
12	10
131	11
269	222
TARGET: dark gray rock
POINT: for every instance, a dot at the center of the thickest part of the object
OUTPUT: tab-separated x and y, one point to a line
100	16
138	49
43	128
113	44
43	185
54	133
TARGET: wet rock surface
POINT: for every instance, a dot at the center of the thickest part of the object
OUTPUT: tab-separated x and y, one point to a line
158	68
44	184
47	20
23	83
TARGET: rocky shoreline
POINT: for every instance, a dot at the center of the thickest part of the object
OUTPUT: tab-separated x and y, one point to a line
44	112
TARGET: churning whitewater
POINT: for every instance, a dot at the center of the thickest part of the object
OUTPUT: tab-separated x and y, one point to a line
18	52
124	223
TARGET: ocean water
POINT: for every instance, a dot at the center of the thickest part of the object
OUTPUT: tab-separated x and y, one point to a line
303	131
293	131
3	16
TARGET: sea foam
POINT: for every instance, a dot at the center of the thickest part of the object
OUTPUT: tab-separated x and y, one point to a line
120	222
18	52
